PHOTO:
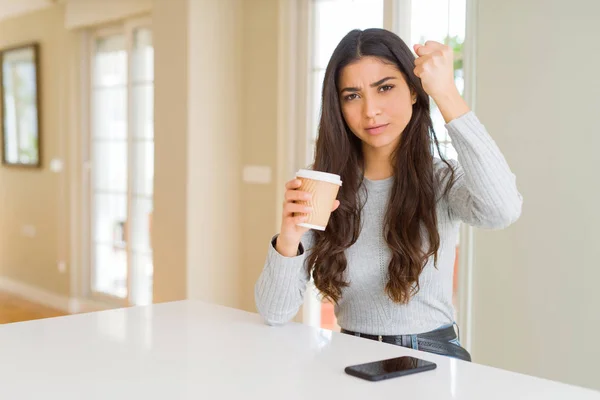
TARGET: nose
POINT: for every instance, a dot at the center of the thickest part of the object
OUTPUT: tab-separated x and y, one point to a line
371	108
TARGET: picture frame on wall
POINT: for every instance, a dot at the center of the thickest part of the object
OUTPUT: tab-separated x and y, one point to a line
20	106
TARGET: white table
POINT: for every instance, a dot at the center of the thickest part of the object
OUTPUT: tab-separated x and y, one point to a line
192	350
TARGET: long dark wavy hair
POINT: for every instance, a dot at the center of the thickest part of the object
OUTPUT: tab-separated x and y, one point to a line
410	226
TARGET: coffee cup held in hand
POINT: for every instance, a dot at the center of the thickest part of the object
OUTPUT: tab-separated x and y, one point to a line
324	188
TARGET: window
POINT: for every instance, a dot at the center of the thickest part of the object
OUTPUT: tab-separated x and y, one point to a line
329	21
332	19
445	25
121	160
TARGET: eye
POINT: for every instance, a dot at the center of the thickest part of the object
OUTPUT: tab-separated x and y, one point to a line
386	88
351	97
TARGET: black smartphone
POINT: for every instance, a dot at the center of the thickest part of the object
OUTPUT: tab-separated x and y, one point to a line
390	368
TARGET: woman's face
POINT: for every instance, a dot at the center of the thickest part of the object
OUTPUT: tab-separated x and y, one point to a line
376	103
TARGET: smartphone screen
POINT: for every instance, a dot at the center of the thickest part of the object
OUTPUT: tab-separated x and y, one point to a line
390	368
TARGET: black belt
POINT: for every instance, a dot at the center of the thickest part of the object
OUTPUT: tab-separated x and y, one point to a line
437	342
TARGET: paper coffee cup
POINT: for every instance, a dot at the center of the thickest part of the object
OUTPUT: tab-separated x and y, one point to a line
324	188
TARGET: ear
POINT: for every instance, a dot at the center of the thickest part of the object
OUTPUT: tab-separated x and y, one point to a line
413	96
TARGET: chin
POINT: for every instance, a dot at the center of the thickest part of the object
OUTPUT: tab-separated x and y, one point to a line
380	142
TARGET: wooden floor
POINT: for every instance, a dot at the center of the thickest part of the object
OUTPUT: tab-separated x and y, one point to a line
16	309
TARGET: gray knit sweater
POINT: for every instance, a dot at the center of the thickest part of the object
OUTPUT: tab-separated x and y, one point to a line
484	195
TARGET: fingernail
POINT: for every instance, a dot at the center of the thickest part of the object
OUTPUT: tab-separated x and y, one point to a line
308	209
307	196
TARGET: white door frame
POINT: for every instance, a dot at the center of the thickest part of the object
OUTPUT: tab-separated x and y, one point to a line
467	242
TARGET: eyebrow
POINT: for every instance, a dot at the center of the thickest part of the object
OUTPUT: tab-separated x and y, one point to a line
374	84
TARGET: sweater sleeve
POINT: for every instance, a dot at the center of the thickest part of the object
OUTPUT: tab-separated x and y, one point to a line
484	193
279	290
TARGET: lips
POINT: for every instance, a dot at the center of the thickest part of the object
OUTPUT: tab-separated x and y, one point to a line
376	129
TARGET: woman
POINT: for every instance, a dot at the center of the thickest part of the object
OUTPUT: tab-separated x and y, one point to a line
386	258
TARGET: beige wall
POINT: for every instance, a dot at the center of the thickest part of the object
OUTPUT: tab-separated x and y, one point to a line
214	103
231	111
170	240
535	287
39	197
231	54
259	140
84	13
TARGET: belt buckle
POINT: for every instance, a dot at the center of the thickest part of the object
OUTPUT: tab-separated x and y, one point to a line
380	338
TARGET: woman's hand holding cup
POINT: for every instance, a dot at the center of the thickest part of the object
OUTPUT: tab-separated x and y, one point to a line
297	209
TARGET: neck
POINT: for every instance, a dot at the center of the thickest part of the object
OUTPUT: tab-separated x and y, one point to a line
377	163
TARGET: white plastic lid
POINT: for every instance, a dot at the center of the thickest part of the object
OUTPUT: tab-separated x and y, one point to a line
319	176
311	226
